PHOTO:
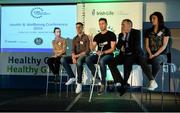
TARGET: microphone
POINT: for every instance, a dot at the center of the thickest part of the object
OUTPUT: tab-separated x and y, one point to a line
103	44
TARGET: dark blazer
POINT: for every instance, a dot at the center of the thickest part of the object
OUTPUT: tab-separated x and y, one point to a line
134	42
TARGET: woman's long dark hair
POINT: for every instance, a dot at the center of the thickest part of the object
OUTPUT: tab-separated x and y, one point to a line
160	19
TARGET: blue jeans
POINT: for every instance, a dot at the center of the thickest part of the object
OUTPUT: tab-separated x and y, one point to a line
67	60
156	63
92	59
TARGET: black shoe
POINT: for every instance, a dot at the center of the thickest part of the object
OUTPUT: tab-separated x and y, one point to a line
56	78
118	89
101	91
123	89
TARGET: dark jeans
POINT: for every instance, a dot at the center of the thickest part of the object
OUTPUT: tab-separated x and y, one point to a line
92	59
54	64
128	61
156	63
67	60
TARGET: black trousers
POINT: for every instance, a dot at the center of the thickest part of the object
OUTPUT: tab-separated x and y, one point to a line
54	64
128	61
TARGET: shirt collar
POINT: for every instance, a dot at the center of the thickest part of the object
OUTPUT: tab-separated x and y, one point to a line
77	36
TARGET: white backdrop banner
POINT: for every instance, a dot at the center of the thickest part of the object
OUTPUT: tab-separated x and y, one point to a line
89	14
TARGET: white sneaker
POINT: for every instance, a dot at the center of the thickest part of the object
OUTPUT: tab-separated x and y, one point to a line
78	88
152	85
98	81
118	84
70	81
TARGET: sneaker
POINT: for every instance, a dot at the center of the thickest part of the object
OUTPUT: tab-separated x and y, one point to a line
101	91
118	84
78	88
152	85
70	81
98	81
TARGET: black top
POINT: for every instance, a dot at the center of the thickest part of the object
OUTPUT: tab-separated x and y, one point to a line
106	39
156	39
134	42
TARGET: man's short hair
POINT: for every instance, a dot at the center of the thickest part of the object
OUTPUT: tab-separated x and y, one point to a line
80	23
103	19
56	29
129	21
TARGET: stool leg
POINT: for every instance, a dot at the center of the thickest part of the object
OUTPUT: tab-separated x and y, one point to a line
90	88
106	87
72	85
47	81
131	89
146	94
60	82
162	90
67	87
55	85
174	88
141	95
115	89
131	84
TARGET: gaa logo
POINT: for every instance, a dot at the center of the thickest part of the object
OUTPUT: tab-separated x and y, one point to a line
38	41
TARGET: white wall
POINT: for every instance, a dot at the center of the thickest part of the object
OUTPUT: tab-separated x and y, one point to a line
170	10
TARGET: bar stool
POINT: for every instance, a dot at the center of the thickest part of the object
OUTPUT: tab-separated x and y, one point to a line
62	73
169	67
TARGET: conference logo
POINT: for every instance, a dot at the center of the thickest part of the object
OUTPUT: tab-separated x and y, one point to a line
102	13
38	41
38	12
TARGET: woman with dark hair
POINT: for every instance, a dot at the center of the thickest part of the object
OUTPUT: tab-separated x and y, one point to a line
156	40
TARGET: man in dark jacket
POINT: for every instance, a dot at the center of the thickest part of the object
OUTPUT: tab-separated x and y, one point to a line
130	53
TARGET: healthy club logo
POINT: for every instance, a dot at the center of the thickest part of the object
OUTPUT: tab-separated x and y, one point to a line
38	12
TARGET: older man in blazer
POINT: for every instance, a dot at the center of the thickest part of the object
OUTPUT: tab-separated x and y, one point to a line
130	53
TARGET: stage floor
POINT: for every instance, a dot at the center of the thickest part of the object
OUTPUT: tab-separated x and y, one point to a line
29	101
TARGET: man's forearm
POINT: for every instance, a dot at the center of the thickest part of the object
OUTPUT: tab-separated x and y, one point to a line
109	51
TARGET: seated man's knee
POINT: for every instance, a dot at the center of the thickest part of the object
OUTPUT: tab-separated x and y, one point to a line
88	59
63	60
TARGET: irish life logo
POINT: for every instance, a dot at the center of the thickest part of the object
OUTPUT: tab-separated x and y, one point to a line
101	13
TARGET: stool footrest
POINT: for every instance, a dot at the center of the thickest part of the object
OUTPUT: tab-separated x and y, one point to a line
54	82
